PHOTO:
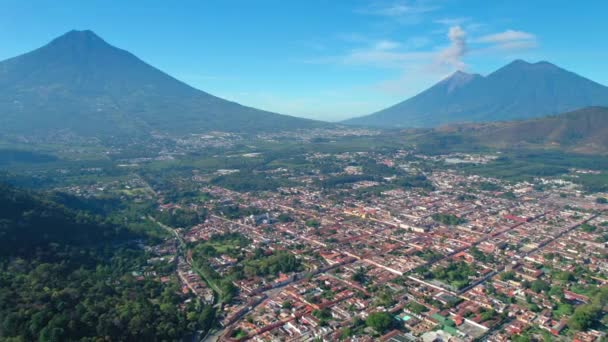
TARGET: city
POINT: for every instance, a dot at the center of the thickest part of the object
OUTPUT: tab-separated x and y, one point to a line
455	255
283	171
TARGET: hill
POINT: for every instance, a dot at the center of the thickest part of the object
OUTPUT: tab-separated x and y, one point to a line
80	84
581	131
30	221
67	275
584	130
519	90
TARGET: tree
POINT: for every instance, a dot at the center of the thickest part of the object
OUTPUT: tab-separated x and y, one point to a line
359	275
539	286
380	321
588	228
284	218
584	317
565	276
509	275
346	333
487	315
416	307
313	223
448	219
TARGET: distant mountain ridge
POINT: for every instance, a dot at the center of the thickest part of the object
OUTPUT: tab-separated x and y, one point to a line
80	83
581	131
519	90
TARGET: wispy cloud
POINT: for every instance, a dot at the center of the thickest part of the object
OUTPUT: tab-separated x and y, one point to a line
417	52
405	12
384	45
406	55
506	36
452	21
509	40
418	61
397	9
379	54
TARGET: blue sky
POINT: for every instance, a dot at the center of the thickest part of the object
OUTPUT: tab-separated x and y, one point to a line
325	59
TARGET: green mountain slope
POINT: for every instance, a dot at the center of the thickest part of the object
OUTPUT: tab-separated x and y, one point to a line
66	275
29	222
581	131
79	83
584	130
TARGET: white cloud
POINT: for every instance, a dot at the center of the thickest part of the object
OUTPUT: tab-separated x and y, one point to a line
383	58
452	21
397	10
419	62
516	45
408	55
384	45
509	40
506	36
404	12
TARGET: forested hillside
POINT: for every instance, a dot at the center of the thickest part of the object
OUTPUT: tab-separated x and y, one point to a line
68	275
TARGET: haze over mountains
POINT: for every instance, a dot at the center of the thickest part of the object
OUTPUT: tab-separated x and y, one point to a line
584	131
519	90
81	84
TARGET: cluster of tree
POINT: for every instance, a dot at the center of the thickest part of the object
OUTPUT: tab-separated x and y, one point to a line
312	223
77	299
414	181
481	256
236	211
384	298
96	205
217	244
588	228
181	218
380	321
245	181
360	275
9	156
29	221
593	183
456	274
588	315
223	284
372	167
284	218
234	238
67	275
337	181
520	166
428	254
466	197
508	275
228	243
416	308
448	219
114	210
488	186
602	239
487	314
323	315
439	143
508	195
279	262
